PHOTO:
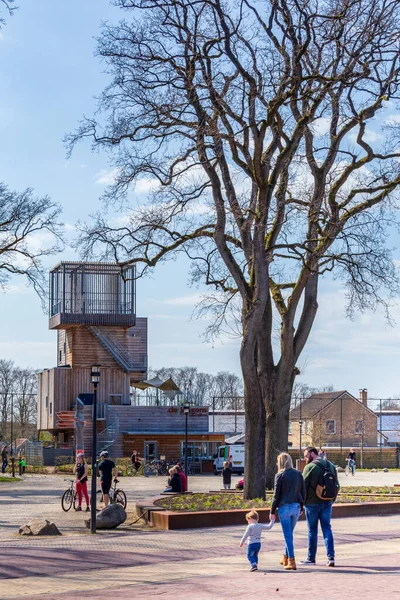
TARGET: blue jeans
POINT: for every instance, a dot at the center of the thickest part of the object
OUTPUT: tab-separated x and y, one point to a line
4	465
252	553
288	517
321	512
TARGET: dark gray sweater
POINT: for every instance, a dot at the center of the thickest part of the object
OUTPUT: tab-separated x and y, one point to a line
289	488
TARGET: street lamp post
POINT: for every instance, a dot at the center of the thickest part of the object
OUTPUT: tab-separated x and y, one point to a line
12	435
301	430
186	409
95	377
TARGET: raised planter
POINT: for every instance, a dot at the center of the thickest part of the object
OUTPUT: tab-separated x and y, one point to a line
170	520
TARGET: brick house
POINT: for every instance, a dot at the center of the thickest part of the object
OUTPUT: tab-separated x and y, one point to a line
333	419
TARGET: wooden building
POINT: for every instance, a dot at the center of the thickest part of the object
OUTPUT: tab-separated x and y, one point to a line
92	306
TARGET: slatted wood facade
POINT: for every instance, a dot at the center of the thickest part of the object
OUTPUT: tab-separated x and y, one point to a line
168	445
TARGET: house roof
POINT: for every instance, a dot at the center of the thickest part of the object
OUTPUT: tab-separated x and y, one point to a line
314	403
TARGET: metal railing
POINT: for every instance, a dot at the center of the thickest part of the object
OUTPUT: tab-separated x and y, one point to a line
108	436
117	350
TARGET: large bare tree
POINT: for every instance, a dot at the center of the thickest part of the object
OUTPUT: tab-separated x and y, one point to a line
254	123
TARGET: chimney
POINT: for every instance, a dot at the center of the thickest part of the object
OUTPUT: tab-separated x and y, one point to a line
364	396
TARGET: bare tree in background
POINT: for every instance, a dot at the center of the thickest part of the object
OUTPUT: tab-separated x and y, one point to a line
18	389
25	402
250	121
8	378
201	388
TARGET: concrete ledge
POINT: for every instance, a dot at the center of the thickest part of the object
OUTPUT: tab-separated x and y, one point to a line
169	520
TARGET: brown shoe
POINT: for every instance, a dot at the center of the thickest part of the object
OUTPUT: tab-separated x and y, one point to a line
291	565
284	560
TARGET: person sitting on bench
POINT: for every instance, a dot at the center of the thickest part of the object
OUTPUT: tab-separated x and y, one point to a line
174	481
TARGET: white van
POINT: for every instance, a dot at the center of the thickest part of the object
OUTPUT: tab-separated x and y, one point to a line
234	454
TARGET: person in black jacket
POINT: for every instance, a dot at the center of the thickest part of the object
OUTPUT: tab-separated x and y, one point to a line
289	498
174	482
227	475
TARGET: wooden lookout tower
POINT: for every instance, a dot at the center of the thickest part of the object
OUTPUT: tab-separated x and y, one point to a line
93	308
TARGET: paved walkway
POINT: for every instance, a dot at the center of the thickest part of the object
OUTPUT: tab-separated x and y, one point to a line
200	564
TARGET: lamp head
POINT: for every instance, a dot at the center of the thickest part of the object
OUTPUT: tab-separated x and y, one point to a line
95	374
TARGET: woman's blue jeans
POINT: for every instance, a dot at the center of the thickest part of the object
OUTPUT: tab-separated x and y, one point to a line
288	517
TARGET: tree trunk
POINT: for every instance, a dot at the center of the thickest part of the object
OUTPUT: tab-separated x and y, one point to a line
254	481
267	394
277	403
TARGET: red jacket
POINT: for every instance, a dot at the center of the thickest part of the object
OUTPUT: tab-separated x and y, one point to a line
183	481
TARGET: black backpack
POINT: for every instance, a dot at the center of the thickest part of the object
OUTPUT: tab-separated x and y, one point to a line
327	487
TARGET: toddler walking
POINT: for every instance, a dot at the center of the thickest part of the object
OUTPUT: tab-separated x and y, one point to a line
253	534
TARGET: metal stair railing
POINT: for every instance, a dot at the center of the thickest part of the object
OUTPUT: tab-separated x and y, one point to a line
108	436
116	349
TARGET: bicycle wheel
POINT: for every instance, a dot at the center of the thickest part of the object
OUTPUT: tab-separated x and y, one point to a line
347	470
148	470
130	471
66	500
120	498
76	502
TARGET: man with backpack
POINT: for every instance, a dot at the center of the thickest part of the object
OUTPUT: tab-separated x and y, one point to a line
322	487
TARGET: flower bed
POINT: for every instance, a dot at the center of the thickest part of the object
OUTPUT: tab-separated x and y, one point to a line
223	501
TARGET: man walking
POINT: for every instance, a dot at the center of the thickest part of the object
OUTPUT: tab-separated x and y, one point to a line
322	486
107	470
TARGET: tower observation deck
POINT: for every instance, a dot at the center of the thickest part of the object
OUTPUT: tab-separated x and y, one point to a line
93	294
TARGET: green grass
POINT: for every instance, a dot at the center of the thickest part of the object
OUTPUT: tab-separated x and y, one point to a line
9	479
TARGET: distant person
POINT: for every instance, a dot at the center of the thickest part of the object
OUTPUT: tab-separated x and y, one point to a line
322	453
135	461
253	534
107	470
174	481
320	478
183	478
4	458
227	476
289	497
81	471
22	464
351	459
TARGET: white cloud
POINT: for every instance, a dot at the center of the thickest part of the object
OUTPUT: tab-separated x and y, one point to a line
106	176
146	185
321	126
189	300
392	119
370	136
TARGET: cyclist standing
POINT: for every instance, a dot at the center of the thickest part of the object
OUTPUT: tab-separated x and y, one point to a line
107	470
81	472
351	458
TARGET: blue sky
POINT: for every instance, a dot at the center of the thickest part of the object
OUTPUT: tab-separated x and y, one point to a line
49	78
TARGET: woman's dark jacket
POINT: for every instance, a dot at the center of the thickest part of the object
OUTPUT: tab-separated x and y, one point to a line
175	483
289	488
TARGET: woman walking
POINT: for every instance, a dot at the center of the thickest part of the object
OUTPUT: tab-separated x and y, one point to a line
289	497
81	471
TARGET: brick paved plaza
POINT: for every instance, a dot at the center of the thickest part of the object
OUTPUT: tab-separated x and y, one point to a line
136	562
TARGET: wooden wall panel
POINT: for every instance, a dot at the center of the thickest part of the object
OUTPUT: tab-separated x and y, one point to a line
87	350
167	445
61	346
